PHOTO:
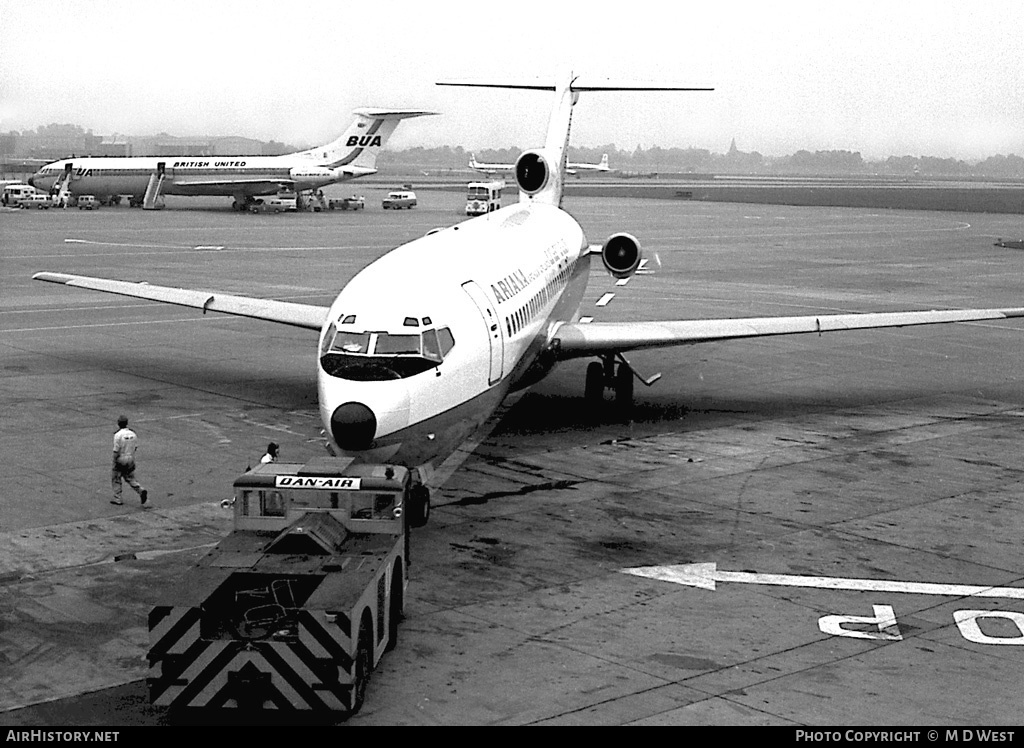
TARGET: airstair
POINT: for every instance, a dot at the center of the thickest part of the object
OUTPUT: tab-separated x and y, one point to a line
62	187
156	183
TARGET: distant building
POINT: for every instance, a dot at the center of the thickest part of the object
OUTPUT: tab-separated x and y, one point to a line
115	145
237	146
182	147
56	143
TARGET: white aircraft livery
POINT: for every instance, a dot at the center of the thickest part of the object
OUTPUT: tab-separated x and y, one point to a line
421	346
353	154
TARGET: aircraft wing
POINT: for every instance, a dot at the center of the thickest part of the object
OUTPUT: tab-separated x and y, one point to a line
577	340
261	182
284	312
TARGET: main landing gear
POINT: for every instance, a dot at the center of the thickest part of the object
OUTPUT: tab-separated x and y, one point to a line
613	372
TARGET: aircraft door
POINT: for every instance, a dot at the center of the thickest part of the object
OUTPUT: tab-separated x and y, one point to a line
490	318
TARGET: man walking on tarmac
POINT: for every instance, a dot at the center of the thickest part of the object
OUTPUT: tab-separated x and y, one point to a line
126	442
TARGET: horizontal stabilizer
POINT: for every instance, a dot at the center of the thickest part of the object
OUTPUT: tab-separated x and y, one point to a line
284	312
392	113
578	84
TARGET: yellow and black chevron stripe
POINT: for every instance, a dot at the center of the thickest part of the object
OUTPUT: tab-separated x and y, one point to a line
310	674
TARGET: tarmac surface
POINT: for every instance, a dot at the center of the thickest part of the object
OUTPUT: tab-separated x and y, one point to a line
791	464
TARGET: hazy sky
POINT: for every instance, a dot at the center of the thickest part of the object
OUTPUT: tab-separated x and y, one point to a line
894	77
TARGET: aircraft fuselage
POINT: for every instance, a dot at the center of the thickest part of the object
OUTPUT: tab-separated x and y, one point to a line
493	289
191	175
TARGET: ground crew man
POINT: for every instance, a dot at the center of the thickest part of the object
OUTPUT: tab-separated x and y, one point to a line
126	442
271	455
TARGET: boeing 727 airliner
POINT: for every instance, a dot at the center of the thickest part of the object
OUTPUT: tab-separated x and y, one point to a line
353	154
479	309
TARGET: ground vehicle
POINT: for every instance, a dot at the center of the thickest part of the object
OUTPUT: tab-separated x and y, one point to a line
15	194
399	199
38	200
295	607
483	197
274	204
355	202
87	202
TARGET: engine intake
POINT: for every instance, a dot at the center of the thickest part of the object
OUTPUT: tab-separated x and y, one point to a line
621	254
532	172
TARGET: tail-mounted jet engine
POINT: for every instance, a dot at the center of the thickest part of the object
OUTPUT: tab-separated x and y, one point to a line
621	254
533	171
310	175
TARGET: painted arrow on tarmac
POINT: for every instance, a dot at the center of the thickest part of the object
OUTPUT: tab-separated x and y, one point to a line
707	575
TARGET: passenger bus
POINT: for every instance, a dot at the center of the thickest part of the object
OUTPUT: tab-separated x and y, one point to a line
483	197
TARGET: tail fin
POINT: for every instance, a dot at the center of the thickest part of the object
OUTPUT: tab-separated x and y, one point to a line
541	172
604	162
358	146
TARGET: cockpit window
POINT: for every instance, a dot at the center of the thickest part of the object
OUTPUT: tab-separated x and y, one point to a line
396	344
444	335
351	342
431	348
379	356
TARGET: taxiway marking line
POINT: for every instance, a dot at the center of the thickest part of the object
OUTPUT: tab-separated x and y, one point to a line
707	575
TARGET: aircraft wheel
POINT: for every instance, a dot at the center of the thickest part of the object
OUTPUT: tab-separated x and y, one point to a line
594	390
419	506
362	666
395	609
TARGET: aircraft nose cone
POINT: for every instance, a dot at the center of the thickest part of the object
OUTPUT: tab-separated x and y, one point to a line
353	426
32	181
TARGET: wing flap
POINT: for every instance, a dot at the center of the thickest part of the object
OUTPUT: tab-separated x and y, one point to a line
252	182
307	316
574	340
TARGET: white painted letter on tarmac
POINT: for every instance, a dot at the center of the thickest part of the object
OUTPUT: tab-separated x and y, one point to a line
967	622
884	619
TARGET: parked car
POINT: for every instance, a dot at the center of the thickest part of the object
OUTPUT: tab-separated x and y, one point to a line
355	202
399	199
273	204
87	202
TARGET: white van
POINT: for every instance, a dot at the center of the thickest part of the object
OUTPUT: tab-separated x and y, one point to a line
15	194
398	200
39	200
